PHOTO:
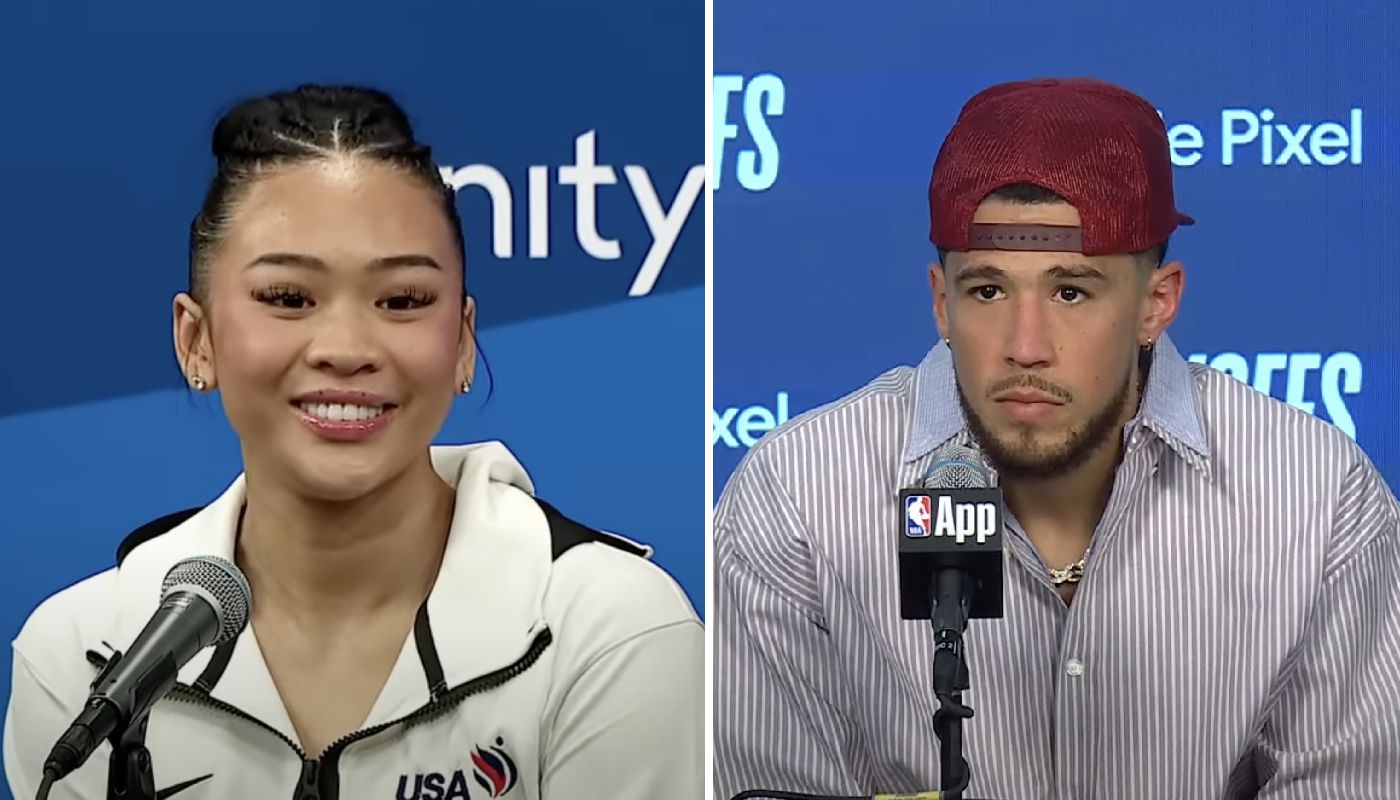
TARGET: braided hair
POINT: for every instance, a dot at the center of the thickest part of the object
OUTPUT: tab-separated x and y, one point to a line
310	123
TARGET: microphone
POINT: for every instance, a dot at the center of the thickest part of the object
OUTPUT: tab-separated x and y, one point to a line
950	557
950	565
204	601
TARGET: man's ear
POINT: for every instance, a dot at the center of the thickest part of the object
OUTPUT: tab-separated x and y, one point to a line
1162	301
938	286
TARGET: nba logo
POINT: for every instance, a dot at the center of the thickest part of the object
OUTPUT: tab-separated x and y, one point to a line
918	516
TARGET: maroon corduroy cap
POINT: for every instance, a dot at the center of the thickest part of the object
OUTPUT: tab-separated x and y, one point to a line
1101	147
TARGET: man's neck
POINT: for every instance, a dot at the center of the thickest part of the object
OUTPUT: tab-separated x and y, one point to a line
337	561
1072	502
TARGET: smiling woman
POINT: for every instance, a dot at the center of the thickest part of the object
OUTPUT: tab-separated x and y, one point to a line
413	603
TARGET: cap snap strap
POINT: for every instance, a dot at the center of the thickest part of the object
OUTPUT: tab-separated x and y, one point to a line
1006	236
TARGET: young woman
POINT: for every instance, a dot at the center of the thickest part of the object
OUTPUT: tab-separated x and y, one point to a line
423	627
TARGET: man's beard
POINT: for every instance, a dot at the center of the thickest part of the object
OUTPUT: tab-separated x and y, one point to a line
1023	459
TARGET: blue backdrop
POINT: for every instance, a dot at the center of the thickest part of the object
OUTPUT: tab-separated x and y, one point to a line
104	156
1283	118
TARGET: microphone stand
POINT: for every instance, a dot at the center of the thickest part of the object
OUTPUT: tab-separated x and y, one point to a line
129	775
950	679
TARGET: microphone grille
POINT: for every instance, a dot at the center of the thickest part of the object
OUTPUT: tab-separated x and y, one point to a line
221	580
957	466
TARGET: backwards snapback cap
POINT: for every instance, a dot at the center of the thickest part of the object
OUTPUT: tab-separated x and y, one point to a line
1101	147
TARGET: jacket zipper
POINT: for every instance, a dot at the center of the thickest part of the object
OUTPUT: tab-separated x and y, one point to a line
329	779
320	779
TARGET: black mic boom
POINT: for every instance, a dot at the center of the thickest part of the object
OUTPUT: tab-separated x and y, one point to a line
205	601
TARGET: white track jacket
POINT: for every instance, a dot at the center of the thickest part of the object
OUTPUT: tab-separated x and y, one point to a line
550	661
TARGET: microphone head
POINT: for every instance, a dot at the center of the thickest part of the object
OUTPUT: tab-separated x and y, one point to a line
219	582
957	466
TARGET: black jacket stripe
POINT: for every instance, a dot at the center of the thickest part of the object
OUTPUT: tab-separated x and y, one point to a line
151	530
565	534
428	654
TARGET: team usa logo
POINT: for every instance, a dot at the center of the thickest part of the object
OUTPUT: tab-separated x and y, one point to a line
918	516
492	769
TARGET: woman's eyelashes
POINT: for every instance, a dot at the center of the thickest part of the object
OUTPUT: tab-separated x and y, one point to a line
285	297
409	299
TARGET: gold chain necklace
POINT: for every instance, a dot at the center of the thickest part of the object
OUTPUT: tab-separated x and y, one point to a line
1071	574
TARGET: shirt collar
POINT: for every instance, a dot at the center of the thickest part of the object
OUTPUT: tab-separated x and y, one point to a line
1169	408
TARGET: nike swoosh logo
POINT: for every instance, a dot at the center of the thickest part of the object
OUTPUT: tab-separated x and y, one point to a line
171	791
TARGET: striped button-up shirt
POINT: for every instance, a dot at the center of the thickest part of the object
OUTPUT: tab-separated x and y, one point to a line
1236	633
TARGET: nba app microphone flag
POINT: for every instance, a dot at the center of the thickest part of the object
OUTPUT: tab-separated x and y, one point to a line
950	524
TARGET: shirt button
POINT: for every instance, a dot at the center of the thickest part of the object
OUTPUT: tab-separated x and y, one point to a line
1074	668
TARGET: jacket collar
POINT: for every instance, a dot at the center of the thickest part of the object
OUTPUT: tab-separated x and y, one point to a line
482	613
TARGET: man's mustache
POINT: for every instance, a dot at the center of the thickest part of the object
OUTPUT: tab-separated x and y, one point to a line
1029	382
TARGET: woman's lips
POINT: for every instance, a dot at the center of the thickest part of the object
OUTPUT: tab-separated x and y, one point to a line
346	430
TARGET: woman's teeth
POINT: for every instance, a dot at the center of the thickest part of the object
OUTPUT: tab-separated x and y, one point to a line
336	412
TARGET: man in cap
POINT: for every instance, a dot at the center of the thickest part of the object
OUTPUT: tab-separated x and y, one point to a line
1201	584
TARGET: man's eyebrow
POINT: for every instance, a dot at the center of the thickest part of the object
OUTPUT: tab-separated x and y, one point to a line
1081	271
1058	272
979	271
